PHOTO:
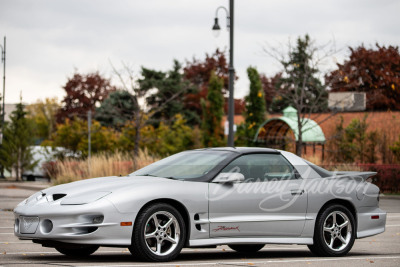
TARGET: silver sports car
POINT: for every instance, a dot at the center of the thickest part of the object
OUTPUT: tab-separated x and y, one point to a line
241	197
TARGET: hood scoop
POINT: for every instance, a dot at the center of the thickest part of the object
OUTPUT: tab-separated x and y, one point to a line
55	197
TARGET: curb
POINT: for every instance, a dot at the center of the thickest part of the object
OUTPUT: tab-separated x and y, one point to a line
24	185
389	196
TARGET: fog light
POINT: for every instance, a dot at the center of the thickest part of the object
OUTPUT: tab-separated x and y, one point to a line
16	225
46	226
98	219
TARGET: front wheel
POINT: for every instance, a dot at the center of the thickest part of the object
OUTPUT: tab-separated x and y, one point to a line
334	232
159	234
78	251
247	249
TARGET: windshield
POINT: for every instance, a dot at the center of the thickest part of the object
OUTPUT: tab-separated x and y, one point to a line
185	165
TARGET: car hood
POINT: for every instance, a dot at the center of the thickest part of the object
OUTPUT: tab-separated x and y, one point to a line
96	188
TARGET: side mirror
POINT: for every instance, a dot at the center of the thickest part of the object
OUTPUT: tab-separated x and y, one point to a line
229	177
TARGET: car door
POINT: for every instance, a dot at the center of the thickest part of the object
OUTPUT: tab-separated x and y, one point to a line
271	201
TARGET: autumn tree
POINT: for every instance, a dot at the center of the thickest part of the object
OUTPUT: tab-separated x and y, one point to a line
373	71
73	135
255	106
338	146
43	115
169	138
299	85
116	109
165	92
212	108
269	86
354	142
198	72
132	84
395	148
16	152
83	93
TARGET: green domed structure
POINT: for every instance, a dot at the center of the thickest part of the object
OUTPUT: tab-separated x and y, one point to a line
281	131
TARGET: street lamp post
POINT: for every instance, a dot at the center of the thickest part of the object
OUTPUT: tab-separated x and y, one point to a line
3	59
231	107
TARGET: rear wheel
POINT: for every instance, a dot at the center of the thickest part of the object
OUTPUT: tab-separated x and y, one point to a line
247	249
78	251
159	234
334	232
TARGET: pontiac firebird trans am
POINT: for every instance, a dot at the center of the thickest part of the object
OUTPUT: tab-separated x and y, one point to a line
242	197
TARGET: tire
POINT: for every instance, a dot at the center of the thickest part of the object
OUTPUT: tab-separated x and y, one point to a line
78	251
159	235
247	249
334	232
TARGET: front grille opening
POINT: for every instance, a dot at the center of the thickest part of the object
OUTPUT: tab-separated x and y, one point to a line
84	230
58	196
91	229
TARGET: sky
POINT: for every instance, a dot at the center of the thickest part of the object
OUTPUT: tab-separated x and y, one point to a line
48	40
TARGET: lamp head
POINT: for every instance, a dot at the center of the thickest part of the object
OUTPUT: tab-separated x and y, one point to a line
216	28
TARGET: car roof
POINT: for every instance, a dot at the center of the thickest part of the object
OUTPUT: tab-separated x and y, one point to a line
242	150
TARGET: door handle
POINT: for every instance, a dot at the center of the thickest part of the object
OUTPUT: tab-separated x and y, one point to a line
297	192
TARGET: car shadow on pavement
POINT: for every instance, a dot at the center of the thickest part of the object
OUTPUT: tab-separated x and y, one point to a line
187	256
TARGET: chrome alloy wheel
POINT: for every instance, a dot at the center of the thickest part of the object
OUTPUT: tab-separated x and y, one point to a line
162	233
337	230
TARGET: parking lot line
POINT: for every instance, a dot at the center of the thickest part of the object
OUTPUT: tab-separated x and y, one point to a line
55	252
252	262
3	242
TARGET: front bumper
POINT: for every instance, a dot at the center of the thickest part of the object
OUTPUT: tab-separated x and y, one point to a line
74	223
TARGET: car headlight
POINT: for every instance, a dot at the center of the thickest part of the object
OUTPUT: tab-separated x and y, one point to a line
37	196
84	199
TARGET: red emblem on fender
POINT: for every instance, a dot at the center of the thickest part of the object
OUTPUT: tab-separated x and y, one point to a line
224	228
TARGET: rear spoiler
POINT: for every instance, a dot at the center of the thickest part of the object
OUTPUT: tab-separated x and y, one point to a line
362	175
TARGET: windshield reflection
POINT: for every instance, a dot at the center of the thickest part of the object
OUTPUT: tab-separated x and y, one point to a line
184	165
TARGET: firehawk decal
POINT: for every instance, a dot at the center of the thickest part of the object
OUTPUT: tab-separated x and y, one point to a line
224	228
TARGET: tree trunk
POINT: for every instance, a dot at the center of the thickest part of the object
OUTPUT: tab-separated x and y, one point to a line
299	142
17	172
137	135
136	143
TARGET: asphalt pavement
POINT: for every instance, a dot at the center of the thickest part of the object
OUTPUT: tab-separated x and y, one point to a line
380	250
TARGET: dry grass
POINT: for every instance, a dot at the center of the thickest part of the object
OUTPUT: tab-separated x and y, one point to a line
100	165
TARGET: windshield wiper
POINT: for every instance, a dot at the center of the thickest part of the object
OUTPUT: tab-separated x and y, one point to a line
173	178
168	177
148	174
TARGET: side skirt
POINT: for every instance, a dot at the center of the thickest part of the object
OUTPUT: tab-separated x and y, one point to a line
246	240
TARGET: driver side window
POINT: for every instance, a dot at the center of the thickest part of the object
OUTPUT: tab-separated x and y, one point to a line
262	167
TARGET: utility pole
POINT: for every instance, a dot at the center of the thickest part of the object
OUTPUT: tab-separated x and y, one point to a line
3	59
231	104
89	138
